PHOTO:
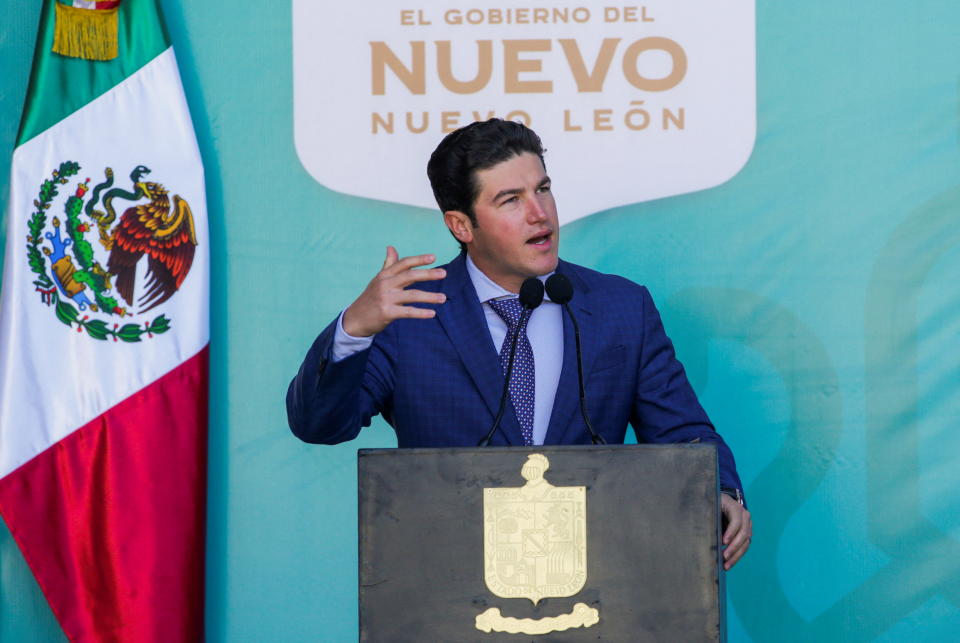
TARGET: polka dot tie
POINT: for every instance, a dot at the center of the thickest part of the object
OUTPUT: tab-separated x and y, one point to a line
522	387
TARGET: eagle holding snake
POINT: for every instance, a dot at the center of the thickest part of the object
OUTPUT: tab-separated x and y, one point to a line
166	236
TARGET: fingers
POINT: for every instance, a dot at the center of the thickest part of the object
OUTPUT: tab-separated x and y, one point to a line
410	312
397	266
738	534
387	297
734	518
412	296
404	279
391	257
401	272
734	553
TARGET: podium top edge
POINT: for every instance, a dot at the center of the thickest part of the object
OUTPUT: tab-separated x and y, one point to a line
553	448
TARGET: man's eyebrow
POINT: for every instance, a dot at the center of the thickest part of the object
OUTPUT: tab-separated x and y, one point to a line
502	193
514	191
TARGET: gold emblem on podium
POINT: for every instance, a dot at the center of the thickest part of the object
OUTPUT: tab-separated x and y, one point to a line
535	547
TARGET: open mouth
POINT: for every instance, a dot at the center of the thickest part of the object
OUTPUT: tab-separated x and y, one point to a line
540	240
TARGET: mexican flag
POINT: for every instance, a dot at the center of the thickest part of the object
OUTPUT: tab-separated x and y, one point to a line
104	330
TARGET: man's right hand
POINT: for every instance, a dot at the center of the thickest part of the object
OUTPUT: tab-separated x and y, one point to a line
386	297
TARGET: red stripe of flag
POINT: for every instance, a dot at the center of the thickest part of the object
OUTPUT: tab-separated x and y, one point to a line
111	518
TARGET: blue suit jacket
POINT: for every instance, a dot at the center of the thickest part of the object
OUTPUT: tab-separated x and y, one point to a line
438	381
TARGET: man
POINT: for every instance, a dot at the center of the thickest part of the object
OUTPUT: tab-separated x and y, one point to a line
420	345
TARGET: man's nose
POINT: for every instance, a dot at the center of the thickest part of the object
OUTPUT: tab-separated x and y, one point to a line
535	210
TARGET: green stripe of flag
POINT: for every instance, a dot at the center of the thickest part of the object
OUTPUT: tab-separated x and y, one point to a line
60	86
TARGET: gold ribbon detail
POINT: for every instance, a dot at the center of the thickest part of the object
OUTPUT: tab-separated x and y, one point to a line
493	621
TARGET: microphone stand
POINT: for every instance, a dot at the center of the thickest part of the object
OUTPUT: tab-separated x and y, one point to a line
595	437
506	385
560	291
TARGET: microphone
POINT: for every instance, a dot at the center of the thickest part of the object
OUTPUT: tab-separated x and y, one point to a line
531	293
531	296
560	291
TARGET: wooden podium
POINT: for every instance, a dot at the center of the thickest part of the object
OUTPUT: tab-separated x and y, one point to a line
558	543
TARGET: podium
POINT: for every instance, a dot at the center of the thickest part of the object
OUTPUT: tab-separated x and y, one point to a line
559	543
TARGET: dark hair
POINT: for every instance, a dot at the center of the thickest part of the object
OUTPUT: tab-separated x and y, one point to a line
453	166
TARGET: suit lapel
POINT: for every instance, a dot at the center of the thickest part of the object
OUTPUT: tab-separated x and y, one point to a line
463	321
566	404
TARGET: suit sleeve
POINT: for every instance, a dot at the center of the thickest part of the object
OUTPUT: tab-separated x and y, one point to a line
329	401
666	409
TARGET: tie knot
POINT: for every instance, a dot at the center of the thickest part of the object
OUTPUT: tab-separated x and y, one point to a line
510	311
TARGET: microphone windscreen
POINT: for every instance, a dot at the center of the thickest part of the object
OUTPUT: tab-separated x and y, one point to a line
531	293
559	289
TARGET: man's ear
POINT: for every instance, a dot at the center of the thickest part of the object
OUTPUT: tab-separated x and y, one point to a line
459	225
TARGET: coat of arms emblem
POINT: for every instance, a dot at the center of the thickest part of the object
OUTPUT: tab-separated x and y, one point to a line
535	547
80	279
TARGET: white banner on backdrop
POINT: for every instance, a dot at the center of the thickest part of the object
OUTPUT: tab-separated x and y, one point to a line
633	102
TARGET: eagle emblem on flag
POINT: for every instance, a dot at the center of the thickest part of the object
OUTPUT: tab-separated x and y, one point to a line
77	276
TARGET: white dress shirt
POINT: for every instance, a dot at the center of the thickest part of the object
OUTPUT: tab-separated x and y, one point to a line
544	330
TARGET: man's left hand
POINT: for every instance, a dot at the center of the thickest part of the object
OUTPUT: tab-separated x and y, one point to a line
739	531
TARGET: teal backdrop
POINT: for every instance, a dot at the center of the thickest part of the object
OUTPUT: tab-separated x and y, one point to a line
813	299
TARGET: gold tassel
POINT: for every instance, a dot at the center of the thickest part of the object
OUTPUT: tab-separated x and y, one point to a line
85	33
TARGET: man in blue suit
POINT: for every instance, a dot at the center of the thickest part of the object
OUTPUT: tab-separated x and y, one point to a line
420	345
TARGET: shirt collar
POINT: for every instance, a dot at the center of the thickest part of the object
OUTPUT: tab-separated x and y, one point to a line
487	289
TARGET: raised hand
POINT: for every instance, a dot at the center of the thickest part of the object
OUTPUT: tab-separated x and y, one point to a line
387	297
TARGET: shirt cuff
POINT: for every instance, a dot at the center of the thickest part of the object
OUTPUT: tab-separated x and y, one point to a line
345	345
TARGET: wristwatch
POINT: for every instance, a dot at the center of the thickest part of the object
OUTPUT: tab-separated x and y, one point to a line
734	493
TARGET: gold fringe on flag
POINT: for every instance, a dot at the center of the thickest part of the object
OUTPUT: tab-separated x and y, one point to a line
85	33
